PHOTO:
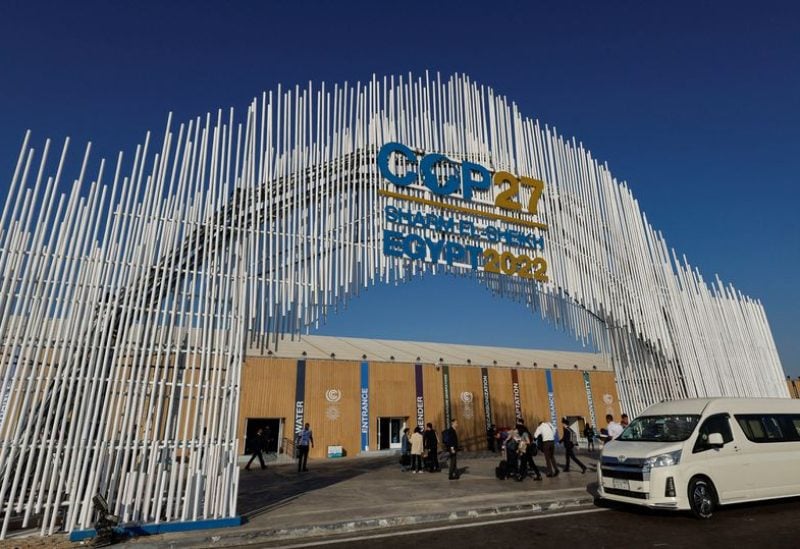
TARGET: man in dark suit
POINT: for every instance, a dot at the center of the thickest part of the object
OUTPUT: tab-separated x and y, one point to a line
257	446
450	439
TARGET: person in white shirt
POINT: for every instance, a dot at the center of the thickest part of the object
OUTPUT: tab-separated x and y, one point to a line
613	429
547	432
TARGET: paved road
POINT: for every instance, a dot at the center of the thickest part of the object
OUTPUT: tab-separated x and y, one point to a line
763	526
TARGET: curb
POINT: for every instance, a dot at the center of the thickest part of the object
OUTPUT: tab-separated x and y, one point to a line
353	526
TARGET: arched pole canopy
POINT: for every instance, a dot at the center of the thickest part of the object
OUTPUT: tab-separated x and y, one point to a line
130	295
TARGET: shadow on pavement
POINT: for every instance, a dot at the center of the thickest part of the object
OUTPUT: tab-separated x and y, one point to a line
278	485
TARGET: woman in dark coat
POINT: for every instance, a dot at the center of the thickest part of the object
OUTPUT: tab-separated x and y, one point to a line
431	444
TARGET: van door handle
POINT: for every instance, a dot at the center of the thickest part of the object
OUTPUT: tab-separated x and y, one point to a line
735	448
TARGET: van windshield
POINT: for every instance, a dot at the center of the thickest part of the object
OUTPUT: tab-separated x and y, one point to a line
660	428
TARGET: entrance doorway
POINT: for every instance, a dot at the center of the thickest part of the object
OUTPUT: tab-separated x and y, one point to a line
274	431
577	424
389	431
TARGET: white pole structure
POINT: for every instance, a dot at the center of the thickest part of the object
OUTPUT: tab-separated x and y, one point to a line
126	313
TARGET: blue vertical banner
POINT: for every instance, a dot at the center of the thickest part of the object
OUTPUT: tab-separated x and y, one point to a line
420	395
365	406
589	399
551	399
446	393
300	397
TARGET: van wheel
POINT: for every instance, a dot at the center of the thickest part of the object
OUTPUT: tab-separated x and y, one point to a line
702	498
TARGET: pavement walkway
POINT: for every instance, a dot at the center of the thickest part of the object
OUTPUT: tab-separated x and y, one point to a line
365	493
359	494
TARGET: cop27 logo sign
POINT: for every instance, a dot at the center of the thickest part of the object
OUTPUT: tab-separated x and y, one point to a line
443	177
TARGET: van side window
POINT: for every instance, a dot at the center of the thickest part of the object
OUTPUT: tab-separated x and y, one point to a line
796	424
714	424
770	427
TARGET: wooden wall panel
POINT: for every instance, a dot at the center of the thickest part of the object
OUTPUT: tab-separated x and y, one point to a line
466	404
570	394
333	423
501	397
533	392
392	393
267	390
434	397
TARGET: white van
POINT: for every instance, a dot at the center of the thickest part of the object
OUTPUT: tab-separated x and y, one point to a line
700	453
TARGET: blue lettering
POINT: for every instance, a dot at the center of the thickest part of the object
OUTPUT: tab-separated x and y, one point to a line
392	243
430	179
468	170
448	224
385	156
435	248
475	253
454	251
412	251
391	214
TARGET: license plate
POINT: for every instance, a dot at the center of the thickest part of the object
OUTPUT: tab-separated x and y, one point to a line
621	483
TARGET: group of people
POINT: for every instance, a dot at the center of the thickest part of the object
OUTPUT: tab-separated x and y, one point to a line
519	446
419	449
613	429
263	439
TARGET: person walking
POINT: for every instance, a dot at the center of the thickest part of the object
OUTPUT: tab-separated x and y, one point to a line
304	438
431	445
416	450
450	439
568	440
491	434
546	431
589	433
258	446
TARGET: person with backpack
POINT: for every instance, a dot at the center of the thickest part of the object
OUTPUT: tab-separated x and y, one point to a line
568	440
589	433
450	439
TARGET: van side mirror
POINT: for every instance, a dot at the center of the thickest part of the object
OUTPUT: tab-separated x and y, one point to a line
715	440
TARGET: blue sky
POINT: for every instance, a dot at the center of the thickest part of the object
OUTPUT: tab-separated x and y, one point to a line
695	104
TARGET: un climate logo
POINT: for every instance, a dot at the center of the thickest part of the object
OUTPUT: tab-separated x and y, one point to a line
333	395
